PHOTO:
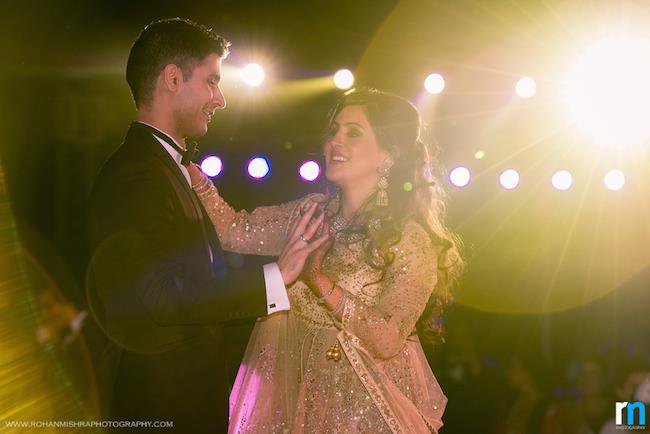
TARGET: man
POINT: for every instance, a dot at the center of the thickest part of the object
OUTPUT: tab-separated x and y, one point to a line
157	279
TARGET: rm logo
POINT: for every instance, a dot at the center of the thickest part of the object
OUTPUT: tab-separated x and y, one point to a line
635	412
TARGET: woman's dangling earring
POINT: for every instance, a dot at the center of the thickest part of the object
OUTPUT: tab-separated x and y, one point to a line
382	186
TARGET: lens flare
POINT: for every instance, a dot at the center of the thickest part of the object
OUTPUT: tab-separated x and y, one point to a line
343	79
526	87
614	180
434	83
607	93
509	179
258	167
562	180
460	176
253	74
212	166
309	171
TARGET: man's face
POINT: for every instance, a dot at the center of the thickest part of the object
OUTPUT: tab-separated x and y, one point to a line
199	97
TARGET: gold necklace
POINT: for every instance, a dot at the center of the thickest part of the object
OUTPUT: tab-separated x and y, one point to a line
341	230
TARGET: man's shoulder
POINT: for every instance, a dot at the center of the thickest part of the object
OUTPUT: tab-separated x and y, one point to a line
138	151
118	164
125	169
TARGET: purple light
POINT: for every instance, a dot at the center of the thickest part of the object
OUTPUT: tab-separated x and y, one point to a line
460	176
212	166
258	167
309	171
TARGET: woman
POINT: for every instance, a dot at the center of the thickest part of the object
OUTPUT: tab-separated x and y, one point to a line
346	357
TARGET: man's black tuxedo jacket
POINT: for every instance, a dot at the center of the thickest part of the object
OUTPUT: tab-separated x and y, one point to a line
158	294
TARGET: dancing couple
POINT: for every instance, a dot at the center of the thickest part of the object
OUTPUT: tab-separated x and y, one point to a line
356	275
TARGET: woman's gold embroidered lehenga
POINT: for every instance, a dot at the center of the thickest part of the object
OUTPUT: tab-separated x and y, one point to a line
382	382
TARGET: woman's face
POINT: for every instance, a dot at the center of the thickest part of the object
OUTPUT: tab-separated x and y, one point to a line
352	154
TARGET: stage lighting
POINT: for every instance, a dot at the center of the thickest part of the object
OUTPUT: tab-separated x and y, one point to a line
258	167
309	171
526	87
614	180
343	79
607	92
509	179
252	74
211	166
460	176
434	83
479	155
562	180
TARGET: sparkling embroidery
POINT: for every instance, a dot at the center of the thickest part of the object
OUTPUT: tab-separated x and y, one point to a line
288	385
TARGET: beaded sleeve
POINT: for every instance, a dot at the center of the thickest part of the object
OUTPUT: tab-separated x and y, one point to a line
260	232
382	329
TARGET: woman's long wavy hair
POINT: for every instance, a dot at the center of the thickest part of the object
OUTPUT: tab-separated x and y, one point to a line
413	194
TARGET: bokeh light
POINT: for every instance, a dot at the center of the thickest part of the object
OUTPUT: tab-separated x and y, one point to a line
562	180
526	87
343	79
509	179
212	166
253	74
479	155
258	167
614	180
460	176
608	92
309	171
434	83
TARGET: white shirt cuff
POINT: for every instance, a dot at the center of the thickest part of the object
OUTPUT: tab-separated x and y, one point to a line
276	293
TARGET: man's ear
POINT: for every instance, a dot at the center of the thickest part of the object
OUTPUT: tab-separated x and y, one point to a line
172	76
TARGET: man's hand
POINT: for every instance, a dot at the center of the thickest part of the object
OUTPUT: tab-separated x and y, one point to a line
300	244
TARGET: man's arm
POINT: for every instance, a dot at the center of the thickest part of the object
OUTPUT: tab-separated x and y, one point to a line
140	256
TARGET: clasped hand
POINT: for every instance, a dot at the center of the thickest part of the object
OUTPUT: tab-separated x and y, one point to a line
309	235
306	246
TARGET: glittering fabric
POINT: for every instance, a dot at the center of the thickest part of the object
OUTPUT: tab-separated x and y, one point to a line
382	384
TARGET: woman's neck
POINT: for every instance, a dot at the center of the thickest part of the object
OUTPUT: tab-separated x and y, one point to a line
352	199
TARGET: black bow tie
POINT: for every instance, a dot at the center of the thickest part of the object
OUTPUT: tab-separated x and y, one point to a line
186	154
190	153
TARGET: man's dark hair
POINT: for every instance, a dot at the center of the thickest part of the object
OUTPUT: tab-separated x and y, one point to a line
177	41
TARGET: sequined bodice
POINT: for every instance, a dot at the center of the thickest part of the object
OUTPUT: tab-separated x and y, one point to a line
345	265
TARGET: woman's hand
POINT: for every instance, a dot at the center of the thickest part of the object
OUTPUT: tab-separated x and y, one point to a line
313	274
196	176
304	238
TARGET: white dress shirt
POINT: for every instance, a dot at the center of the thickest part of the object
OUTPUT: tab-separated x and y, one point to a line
276	293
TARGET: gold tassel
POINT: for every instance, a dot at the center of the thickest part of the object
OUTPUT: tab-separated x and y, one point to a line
333	353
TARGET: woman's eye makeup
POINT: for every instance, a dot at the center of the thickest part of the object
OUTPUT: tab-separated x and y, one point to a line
354	132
